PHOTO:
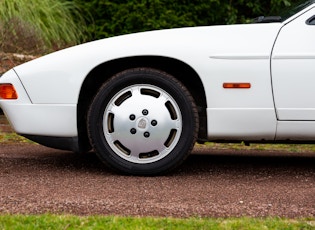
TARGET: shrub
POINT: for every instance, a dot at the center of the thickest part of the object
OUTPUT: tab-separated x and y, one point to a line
39	26
117	17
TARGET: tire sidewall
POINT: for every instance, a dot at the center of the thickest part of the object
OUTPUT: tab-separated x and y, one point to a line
148	77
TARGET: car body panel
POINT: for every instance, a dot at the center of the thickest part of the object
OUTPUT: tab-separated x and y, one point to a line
38	119
49	87
296	131
59	76
44	119
293	68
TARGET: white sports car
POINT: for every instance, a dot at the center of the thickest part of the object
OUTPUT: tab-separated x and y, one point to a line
142	100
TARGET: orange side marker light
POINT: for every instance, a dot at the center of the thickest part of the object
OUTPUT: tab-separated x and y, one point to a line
235	85
7	91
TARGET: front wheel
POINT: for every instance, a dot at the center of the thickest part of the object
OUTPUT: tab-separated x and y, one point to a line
143	121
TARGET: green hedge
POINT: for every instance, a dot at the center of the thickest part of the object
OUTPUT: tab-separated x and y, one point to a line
107	18
40	26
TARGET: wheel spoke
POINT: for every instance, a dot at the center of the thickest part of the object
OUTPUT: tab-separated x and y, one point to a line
144	118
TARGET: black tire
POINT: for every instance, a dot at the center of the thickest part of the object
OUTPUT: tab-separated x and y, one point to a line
143	122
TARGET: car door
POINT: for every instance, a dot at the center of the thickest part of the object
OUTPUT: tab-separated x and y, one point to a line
293	69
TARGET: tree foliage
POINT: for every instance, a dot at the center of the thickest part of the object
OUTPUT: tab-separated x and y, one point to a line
115	17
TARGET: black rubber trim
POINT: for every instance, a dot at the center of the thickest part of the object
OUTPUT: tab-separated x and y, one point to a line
63	143
311	21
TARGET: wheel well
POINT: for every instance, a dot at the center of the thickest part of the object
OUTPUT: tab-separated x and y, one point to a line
101	73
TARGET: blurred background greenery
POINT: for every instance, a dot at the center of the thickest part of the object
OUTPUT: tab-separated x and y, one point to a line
41	26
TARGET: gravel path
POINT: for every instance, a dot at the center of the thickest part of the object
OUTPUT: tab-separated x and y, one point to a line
36	179
211	183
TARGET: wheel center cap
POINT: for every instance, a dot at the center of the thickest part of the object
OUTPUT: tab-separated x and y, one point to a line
142	123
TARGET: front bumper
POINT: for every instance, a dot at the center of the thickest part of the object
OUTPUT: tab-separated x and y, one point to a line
26	118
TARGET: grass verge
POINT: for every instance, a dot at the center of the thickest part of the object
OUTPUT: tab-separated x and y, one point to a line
48	221
13	138
293	148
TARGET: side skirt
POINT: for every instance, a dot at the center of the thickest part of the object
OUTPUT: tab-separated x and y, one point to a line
62	143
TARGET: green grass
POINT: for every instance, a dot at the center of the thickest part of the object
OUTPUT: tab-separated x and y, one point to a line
48	221
296	148
12	138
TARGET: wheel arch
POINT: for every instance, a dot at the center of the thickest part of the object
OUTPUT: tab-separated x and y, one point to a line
180	70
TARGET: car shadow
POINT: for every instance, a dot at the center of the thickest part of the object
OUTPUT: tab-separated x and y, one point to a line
220	162
238	162
200	162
